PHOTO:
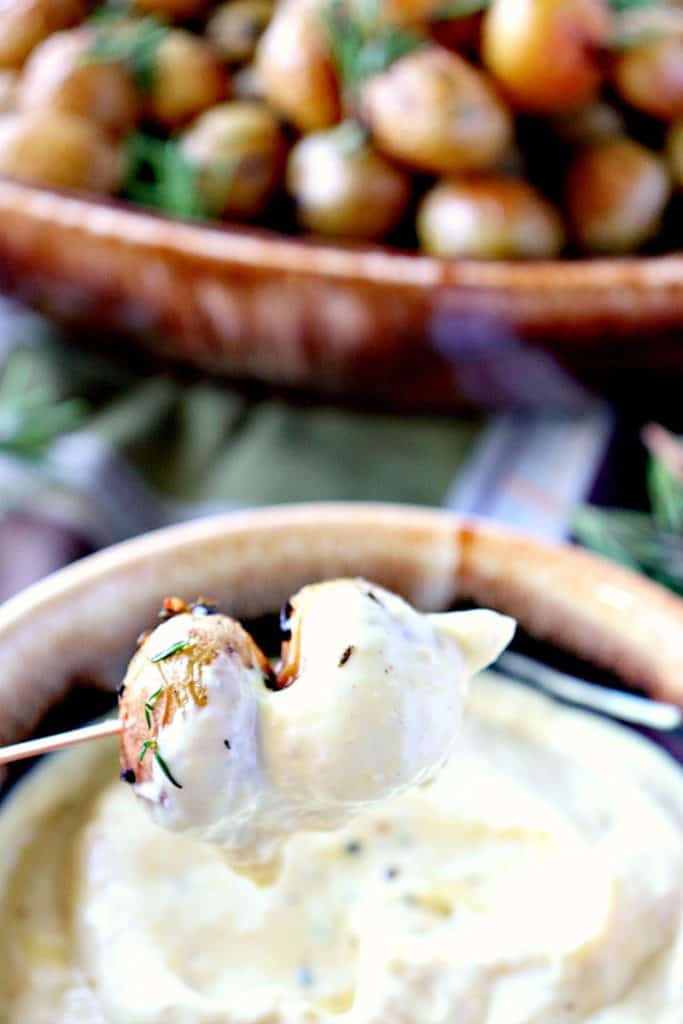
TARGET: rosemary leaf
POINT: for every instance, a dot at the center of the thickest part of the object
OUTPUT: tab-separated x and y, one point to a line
160	177
134	42
666	496
154	747
361	44
165	769
30	418
167	652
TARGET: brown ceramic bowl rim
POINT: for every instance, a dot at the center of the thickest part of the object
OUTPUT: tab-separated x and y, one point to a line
84	619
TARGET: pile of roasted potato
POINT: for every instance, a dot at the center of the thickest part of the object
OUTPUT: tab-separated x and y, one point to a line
492	129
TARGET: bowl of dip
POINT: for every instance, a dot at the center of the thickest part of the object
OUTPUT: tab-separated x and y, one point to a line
538	880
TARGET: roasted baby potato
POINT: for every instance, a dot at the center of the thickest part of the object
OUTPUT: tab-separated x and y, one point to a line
188	79
488	218
235	28
25	23
435	112
650	77
545	53
9	90
616	192
295	67
64	73
58	150
238	151
344	188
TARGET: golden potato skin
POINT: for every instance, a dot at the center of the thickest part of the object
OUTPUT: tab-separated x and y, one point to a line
59	75
238	151
188	79
295	67
58	150
544	53
235	28
435	112
25	23
490	218
674	149
345	191
616	192
180	678
9	91
650	77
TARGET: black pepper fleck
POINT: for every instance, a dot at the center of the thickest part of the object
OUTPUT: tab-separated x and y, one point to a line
285	616
373	597
354	847
227	744
392	872
128	776
120	690
346	655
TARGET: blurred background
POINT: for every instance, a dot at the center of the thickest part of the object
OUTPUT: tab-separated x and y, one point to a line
386	250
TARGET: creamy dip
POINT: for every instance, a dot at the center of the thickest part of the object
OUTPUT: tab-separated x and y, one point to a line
537	880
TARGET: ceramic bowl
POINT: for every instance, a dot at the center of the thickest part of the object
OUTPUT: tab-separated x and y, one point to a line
82	622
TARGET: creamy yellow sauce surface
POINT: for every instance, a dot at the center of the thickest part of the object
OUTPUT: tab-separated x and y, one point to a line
537	880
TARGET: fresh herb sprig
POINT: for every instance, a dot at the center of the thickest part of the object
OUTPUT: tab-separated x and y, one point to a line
154	747
161	178
167	652
362	44
648	543
135	42
149	705
30	418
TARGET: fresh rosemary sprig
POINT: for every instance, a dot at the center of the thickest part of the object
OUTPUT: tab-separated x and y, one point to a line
126	40
179	645
30	418
149	705
361	44
160	177
154	747
648	543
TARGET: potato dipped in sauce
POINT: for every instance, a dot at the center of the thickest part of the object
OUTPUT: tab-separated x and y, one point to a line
365	703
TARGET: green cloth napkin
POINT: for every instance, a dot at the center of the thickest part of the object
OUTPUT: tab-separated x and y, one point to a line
201	442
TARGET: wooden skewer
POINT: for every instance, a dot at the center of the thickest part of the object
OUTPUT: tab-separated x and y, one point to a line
48	744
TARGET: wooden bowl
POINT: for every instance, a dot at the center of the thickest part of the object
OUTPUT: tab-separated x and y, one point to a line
83	620
340	320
